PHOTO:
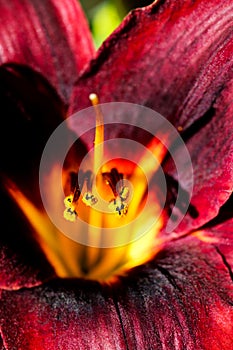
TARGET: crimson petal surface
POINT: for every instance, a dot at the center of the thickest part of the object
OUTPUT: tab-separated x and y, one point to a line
211	150
50	36
181	300
175	57
170	56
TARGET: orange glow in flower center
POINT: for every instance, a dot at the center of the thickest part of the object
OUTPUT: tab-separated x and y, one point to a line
95	196
112	195
121	215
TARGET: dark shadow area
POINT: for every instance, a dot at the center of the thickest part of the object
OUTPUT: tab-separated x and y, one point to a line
183	200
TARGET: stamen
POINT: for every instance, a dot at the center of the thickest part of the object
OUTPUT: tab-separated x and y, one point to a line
95	218
70	213
75	185
99	132
112	179
117	205
94	99
89	199
124	193
71	200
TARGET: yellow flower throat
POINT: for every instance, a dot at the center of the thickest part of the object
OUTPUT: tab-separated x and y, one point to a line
119	203
113	195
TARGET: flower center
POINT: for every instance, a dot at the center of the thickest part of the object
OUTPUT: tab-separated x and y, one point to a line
112	204
111	190
113	195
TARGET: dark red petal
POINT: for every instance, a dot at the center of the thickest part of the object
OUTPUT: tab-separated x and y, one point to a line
1	345
50	36
182	300
26	124
211	150
30	111
222	236
63	315
173	56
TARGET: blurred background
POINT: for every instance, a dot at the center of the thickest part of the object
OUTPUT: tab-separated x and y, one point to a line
105	15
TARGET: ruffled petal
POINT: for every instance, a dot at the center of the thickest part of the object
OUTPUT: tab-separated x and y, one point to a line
50	36
173	56
31	110
63	315
211	150
220	231
181	300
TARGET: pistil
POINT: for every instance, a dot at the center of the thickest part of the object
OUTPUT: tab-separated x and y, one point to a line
99	133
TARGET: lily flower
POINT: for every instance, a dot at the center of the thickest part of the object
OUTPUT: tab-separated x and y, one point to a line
174	291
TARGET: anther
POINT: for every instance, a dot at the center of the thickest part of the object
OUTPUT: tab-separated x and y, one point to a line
118	207
78	181
70	201
89	199
124	193
70	213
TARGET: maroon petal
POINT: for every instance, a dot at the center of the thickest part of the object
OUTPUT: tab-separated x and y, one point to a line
221	234
182	300
31	110
171	56
175	57
26	124
49	36
211	150
62	315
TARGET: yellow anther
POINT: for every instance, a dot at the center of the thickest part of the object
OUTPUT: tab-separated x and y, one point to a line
118	207
70	214
89	199
68	201
124	194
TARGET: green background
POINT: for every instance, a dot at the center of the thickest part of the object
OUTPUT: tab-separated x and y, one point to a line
105	16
